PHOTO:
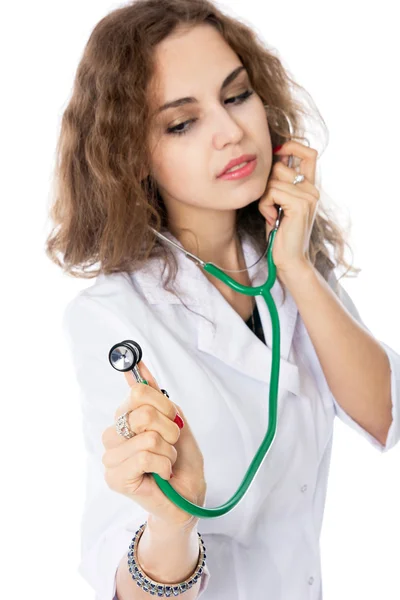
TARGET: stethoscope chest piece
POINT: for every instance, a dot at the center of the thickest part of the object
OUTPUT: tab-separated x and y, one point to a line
125	355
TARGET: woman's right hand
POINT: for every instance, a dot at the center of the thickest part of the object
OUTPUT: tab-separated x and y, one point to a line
159	445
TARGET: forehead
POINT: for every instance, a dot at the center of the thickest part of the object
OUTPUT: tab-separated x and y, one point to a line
190	58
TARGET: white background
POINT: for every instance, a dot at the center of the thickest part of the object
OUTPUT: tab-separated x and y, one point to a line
346	56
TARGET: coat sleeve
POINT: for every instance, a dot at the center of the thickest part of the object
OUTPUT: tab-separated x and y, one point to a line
109	520
394	360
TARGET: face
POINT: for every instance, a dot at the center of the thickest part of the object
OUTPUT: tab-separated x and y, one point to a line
191	144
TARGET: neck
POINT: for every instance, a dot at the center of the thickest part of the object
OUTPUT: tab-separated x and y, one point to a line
221	248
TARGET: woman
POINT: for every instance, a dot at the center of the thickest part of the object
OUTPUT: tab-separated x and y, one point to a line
129	165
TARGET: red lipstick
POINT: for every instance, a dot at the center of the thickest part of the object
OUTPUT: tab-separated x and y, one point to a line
237	161
242	172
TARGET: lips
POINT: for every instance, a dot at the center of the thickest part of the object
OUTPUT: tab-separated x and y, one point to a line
237	161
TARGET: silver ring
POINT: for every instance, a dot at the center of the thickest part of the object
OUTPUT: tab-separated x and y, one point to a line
298	179
122	426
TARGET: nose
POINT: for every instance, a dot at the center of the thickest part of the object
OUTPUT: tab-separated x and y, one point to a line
227	129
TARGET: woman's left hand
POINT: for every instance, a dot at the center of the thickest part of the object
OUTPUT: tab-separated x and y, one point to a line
299	203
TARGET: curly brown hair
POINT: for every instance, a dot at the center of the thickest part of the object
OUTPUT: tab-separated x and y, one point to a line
103	204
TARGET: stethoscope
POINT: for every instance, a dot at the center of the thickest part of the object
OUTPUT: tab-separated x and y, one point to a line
126	355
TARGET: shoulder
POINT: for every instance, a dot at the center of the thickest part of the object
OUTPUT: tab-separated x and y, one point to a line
116	294
110	310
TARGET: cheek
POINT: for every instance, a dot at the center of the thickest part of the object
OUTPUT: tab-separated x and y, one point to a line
180	167
261	132
258	117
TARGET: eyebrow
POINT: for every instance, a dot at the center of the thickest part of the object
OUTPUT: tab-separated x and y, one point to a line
191	99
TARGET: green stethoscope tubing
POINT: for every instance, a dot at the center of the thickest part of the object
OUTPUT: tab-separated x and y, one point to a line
263	290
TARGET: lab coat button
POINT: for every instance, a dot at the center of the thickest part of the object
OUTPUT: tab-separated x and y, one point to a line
304	488
311	580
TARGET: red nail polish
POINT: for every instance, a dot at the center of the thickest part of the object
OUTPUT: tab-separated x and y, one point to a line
277	148
179	421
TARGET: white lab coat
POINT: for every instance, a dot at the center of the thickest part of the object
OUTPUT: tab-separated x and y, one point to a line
268	546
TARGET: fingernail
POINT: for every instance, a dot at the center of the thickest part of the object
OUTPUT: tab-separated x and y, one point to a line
171	476
179	421
277	148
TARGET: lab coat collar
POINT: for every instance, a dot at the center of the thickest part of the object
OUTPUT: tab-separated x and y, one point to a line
231	341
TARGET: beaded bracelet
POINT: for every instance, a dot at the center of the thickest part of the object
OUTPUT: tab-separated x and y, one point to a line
162	589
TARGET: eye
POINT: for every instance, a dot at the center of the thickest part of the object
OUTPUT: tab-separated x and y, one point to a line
234	100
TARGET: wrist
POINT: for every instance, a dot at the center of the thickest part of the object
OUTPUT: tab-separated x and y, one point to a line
168	554
298	272
162	530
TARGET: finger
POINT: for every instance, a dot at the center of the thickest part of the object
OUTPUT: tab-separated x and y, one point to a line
140	420
122	477
274	198
308	156
291	205
289	160
144	373
151	440
131	380
282	173
141	394
295	191
269	211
